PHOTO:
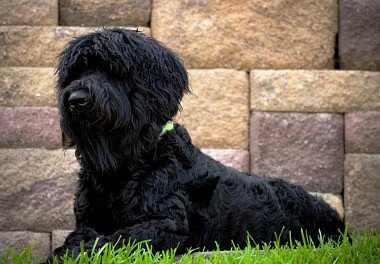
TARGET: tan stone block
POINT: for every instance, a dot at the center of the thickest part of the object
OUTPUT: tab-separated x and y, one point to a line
216	114
361	191
314	91
58	238
251	34
104	13
29	12
37	189
21	86
237	159
334	200
37	46
19	240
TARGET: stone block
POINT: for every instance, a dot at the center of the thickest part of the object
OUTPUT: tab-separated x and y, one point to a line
334	200
104	13
29	12
359	34
361	191
58	237
305	149
362	132
19	240
37	46
37	189
216	113
30	127
314	91
238	159
254	34
21	86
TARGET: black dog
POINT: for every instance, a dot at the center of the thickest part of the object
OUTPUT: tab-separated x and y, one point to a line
141	177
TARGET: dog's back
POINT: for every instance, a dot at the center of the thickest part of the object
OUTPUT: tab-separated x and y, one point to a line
227	205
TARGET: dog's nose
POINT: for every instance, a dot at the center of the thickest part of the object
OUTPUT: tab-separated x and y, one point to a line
77	100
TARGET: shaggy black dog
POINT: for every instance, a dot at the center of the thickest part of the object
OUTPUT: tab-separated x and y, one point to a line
117	90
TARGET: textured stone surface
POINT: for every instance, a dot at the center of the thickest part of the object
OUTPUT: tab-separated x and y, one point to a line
359	34
361	190
18	241
105	13
216	113
37	46
362	132
305	149
37	189
30	127
29	12
314	91
238	159
58	237
21	86
335	201
254	34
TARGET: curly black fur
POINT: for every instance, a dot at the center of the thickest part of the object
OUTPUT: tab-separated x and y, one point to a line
138	185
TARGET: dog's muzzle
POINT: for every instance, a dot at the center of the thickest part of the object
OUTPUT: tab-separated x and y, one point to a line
78	100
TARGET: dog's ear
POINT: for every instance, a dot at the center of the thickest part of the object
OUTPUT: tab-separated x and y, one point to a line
163	76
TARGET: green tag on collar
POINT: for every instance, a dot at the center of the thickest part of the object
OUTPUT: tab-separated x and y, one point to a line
169	126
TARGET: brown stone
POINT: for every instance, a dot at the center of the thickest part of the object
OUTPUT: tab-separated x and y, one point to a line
255	34
29	12
18	241
58	237
314	91
37	46
104	13
359	34
21	86
216	113
305	149
361	191
37	189
335	201
362	132
238	159
30	127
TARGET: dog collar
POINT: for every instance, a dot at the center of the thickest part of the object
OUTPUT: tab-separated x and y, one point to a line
168	127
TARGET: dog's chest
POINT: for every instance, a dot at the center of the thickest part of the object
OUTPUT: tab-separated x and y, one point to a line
106	209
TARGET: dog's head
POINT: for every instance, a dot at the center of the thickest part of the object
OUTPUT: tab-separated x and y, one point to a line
117	88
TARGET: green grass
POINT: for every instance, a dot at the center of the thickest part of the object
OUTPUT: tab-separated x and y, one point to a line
365	248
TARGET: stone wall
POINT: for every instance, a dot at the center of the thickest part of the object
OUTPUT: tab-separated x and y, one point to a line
283	88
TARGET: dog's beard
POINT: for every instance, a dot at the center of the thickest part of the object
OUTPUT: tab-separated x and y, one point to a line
107	153
97	146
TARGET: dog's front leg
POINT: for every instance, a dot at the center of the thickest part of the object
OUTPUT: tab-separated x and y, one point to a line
72	243
162	234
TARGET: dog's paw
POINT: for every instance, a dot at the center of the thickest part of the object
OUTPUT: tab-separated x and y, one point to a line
82	234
